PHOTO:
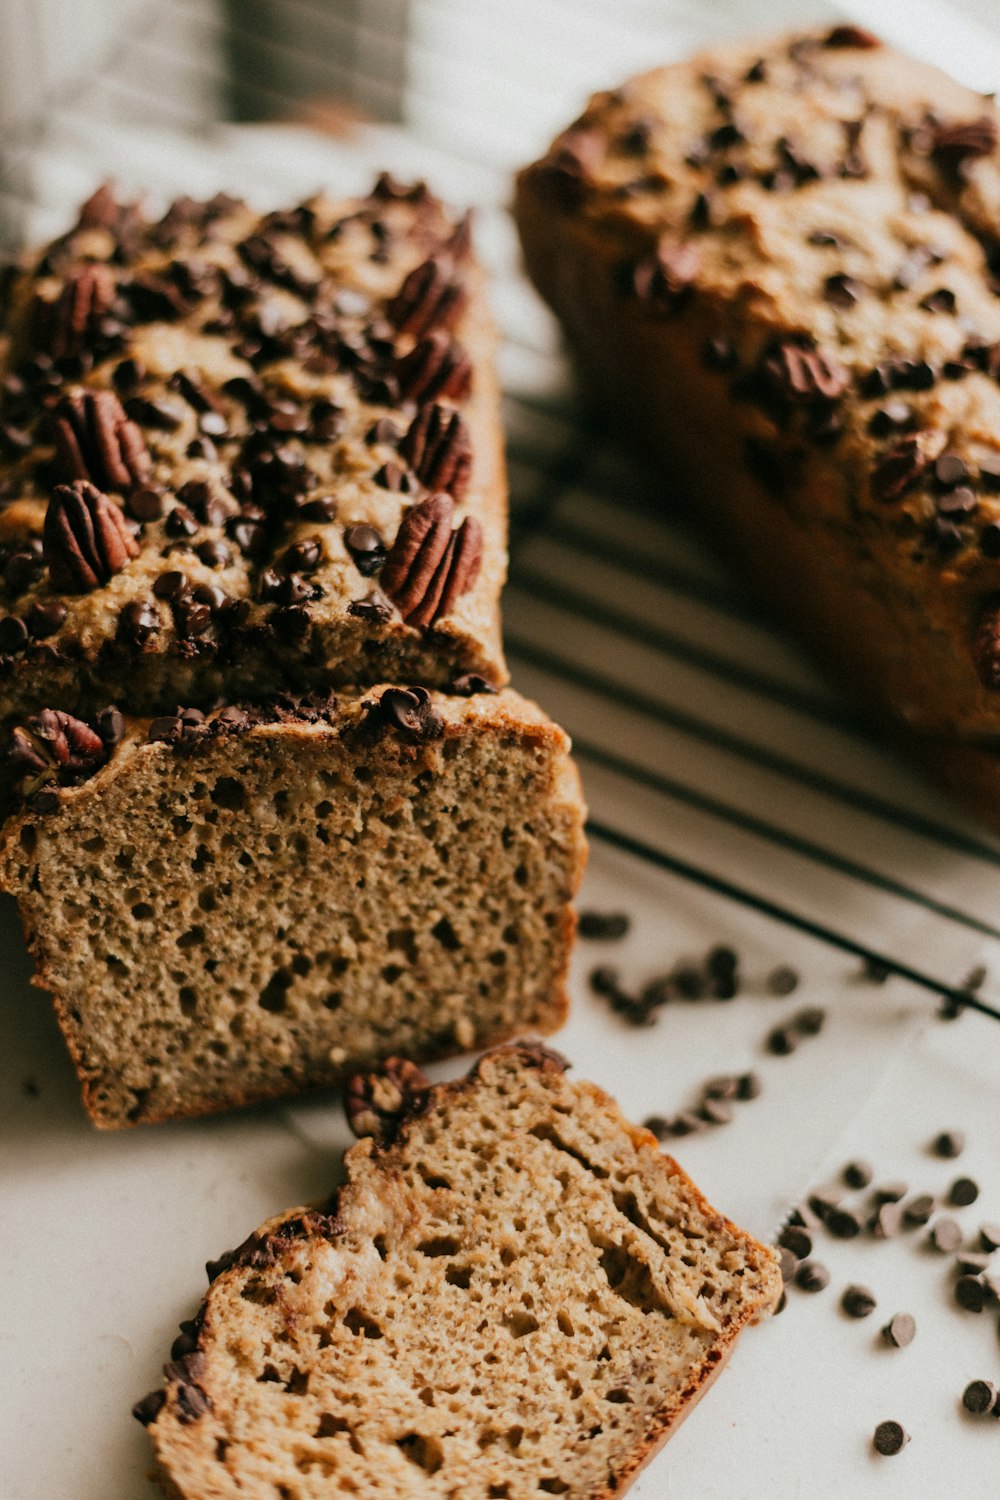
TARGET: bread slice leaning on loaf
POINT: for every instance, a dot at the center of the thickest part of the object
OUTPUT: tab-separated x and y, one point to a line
236	907
777	266
515	1294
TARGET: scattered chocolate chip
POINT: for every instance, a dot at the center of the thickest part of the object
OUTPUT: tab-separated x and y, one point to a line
603	925
971	1293
890	1192
716	1111
989	1237
890	1438
789	1263
972	1262
749	1086
796	1239
900	1330
858	1174
949	1144
657	1125
887	1221
980	1397
963	1191
858	1302
843	1223
783	980
919	1210
783	1040
812	1276
945	1235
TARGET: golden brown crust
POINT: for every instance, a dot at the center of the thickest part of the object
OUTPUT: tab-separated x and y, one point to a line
774	264
242	394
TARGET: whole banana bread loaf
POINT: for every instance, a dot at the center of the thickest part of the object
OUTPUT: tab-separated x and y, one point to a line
243	453
514	1294
232	907
778	265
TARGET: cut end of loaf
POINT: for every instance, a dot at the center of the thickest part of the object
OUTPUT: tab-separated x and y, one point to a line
515	1294
240	915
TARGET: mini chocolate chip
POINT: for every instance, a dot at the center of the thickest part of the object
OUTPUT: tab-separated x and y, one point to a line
949	1143
843	1223
724	1086
789	1263
374	607
957	502
383	431
900	1330
971	1293
716	1111
13	635
603	925
214	554
919	1210
979	1397
894	416
110	726
367	548
972	1262
165	730
191	618
170	585
842	291
303	556
989	471
891	1192
718	354
782	981
323	509
657	1125
45	617
858	1174
797	1240
989	1236
858	1302
812	1276
946	1235
604	980
686	1123
148	1409
810	1022
180	522
890	1438
963	1191
783	1040
144	504
887	1221
749	1086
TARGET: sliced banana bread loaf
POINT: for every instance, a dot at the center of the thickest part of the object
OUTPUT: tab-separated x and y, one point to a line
778	266
243	453
232	908
514	1295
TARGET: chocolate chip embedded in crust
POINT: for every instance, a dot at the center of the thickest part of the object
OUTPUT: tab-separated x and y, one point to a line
367	548
409	710
138	622
899	470
468	684
890	1438
148	1409
958	141
45	617
374	607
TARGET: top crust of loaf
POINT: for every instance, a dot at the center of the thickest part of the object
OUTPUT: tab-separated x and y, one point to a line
514	1293
213	427
810	225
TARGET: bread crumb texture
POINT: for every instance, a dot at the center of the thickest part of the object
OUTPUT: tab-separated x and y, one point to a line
515	1294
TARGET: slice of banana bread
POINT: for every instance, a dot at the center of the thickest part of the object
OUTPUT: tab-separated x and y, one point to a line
232	908
514	1295
243	453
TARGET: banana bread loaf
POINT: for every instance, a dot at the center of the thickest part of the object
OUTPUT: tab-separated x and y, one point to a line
515	1294
778	265
231	907
244	453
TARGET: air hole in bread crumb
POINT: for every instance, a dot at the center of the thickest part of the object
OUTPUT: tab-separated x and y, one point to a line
459	1276
329	1425
94	845
274	995
435	1180
358	1321
426	1396
207	899
619	1396
519	1323
392	972
188	1000
442	1245
404	940
565	1323
334	1000
182	825
28	838
425	1452
553	1486
446	935
498	1492
324	809
380	1245
193	938
142	911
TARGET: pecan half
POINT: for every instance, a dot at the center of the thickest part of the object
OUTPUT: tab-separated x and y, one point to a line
986	645
54	745
438	448
430	565
796	371
62	326
95	440
899	469
85	539
376	1103
429	298
433	368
